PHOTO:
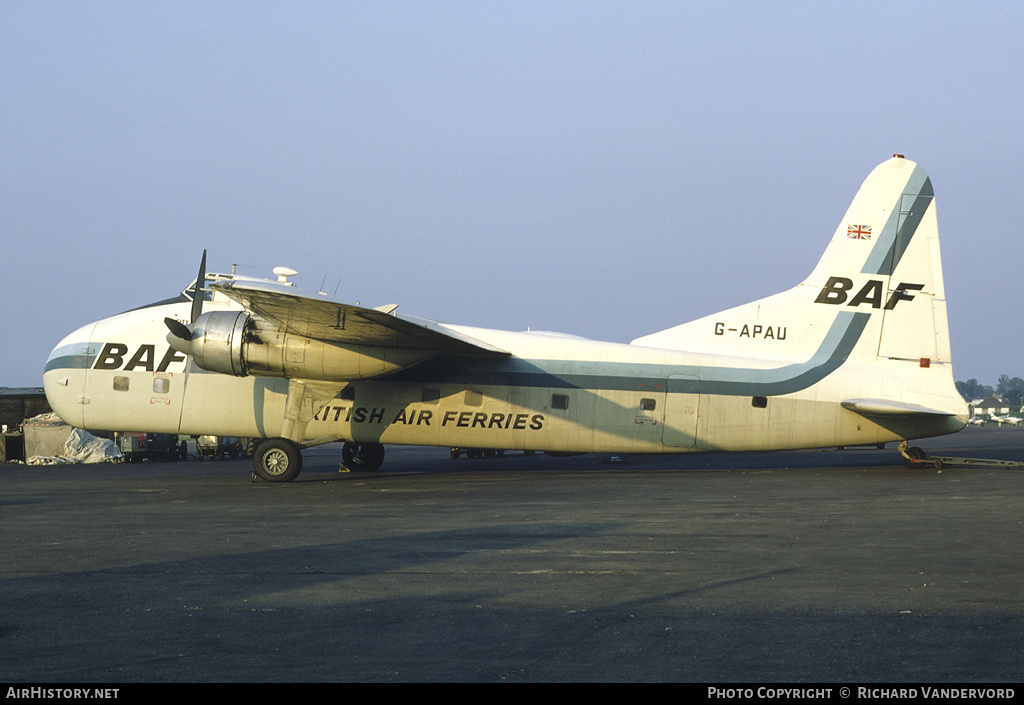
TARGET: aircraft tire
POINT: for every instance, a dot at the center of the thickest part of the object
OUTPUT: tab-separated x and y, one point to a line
915	453
277	460
362	457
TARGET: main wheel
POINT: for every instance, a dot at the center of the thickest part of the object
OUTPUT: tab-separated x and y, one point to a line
362	457
277	460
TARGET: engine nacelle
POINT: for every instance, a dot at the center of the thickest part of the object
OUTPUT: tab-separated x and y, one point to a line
235	343
217	342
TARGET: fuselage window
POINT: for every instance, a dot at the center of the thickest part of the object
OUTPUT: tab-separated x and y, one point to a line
559	401
474	398
647	404
161	385
431	396
120	384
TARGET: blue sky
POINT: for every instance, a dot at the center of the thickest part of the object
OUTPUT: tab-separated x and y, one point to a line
603	169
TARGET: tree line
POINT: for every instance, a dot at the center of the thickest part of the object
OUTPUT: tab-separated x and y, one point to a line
1011	389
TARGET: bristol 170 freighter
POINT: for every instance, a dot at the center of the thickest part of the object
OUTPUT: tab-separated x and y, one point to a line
856	354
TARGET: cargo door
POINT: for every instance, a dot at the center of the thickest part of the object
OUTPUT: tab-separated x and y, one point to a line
681	404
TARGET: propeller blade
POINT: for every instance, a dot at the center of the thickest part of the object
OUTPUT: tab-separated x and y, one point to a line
178	328
181	334
180	337
197	299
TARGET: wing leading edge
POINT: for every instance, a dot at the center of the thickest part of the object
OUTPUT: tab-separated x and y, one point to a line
323	319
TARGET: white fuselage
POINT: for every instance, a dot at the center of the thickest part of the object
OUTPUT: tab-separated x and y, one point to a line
857	353
554	393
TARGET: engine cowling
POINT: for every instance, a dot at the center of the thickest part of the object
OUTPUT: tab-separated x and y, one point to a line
236	343
217	342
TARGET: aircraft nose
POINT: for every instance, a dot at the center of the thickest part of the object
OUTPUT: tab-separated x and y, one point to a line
64	375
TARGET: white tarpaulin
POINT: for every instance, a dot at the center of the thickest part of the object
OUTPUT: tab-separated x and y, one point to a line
83	447
78	447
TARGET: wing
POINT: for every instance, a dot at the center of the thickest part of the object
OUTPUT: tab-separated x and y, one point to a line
320	318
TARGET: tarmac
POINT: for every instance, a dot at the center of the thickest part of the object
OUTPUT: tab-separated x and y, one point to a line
832	566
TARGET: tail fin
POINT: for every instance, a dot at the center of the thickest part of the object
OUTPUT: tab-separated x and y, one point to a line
884	259
877	292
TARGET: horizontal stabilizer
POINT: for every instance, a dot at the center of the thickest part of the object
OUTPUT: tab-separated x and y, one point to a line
886	407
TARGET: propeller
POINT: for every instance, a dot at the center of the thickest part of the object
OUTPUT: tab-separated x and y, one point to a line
197	300
181	334
178	329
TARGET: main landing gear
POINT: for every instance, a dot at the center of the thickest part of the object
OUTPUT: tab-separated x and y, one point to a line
277	460
280	460
362	457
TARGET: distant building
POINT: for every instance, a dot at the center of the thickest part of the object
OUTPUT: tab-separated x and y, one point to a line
20	403
993	406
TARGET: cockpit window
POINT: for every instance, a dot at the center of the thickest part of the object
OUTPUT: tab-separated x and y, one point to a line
188	293
191	291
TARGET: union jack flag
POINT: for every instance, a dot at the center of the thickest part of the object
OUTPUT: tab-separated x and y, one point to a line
858	232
